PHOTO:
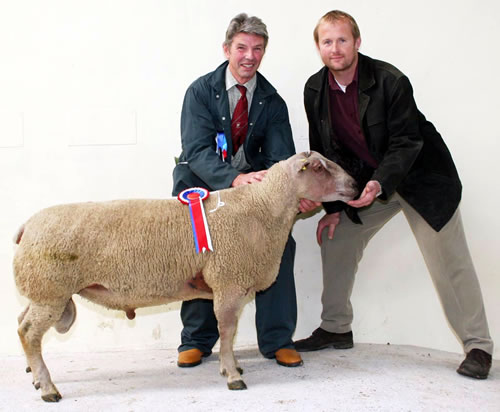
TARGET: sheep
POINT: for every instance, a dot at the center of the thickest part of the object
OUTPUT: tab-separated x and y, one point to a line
127	254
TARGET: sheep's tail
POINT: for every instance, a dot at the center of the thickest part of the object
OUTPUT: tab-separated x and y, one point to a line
19	235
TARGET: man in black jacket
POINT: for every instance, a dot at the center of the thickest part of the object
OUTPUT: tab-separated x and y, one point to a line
362	115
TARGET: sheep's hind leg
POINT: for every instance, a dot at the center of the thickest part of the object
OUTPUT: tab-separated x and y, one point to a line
19	320
35	322
227	308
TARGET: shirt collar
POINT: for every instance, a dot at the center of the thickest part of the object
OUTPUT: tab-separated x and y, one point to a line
231	81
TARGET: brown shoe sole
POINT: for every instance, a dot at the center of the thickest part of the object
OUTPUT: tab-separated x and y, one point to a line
188	365
290	364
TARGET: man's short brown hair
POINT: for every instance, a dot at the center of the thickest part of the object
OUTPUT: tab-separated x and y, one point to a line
335	16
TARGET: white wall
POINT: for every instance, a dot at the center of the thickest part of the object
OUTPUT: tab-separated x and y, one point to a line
90	100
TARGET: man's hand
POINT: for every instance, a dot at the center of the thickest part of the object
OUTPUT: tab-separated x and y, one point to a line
368	196
249	178
328	221
307	205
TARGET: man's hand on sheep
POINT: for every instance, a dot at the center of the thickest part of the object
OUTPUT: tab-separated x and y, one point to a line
307	205
328	221
249	178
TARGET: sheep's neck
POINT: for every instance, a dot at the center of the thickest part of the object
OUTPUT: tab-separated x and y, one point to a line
277	196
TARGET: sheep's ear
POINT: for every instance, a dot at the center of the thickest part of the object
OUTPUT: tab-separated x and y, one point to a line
317	165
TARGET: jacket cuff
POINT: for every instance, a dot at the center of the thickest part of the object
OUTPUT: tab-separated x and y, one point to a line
334	207
338	206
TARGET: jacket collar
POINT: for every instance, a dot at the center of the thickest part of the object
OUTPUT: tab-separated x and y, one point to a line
366	80
365	72
263	90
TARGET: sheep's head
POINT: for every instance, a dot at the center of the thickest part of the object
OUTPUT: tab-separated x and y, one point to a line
320	179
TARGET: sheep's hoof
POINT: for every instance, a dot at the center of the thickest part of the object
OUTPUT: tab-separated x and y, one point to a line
236	385
52	397
28	369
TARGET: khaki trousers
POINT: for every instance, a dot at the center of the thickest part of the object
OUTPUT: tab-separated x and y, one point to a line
446	255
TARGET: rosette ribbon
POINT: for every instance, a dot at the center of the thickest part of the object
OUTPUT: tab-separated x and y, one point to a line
221	143
194	198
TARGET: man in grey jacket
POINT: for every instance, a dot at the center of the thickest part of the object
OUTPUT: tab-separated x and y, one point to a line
362	115
234	126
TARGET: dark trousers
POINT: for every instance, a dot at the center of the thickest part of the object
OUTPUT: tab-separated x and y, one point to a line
275	317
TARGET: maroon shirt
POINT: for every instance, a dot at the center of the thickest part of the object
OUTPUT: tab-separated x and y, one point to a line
345	119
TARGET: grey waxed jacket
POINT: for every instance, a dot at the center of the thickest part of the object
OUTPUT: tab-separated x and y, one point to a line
205	113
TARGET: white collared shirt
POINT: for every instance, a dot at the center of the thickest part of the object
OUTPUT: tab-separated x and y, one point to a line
234	94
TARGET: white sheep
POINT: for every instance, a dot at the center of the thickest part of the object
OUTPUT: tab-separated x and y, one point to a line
127	254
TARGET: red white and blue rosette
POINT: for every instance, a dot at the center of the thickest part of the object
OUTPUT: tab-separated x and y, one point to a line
194	197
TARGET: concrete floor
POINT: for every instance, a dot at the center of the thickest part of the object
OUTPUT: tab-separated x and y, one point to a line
368	377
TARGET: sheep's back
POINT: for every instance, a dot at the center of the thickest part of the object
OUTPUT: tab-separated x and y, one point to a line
125	244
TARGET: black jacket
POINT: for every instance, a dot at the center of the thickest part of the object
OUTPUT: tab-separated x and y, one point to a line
412	157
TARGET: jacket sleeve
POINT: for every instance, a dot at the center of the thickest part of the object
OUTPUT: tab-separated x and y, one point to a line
278	142
198	133
404	140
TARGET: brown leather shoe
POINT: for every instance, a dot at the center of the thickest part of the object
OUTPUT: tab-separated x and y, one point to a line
288	357
189	358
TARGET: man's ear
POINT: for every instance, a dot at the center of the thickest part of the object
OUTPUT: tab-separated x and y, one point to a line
225	48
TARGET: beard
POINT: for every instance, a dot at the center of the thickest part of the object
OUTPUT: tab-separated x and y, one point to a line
340	65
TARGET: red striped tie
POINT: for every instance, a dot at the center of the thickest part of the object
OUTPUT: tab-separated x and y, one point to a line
239	122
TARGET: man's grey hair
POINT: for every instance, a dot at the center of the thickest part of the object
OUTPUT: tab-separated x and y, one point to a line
244	24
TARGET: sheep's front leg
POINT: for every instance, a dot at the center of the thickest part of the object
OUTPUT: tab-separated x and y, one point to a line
227	306
33	325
